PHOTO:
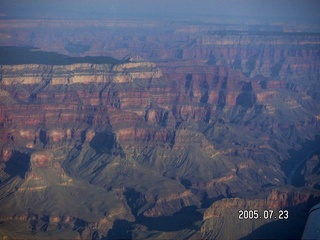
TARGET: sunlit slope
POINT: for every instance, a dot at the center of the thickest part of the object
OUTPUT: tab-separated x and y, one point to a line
97	148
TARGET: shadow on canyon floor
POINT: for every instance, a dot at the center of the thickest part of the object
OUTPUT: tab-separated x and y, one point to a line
183	219
293	166
121	229
178	221
18	164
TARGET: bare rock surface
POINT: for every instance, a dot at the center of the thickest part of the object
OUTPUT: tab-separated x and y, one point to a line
169	138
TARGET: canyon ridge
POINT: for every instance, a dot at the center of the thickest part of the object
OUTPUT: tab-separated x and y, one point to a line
156	129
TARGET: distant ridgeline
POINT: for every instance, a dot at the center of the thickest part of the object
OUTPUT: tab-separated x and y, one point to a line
28	55
32	66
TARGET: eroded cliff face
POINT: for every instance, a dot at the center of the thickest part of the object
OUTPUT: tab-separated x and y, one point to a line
46	199
84	73
151	142
216	116
277	52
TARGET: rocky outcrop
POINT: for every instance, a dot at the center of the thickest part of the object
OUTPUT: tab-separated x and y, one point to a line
276	53
150	113
84	73
309	173
212	114
44	203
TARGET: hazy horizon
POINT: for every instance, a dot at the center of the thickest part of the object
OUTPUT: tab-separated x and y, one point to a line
257	11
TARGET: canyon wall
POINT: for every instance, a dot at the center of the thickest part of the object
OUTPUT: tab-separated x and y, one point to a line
204	113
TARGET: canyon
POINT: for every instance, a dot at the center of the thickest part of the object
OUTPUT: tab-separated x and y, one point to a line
153	129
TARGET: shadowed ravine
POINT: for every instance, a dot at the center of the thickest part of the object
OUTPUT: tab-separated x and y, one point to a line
150	129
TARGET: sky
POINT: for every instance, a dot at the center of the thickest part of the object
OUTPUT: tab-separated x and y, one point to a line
264	11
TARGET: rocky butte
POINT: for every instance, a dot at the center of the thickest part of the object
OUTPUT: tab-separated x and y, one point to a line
208	120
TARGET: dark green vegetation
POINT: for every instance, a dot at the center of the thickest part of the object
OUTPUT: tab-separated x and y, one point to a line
28	55
76	47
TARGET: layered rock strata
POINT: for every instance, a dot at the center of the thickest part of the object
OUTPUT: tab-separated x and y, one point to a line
219	115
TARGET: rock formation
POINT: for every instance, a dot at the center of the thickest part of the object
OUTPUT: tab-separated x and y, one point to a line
212	121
